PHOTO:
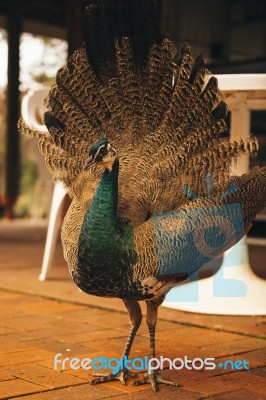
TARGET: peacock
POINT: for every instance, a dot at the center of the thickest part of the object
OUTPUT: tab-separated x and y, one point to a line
134	134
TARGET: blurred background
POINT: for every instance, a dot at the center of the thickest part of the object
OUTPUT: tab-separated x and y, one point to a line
37	36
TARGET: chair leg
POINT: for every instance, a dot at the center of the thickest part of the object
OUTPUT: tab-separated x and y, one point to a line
53	228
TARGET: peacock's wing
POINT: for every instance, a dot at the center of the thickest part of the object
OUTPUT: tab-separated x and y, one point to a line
166	119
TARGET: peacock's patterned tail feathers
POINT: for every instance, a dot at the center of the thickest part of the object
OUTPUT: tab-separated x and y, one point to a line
165	119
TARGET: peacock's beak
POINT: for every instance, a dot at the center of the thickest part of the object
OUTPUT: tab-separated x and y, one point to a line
90	161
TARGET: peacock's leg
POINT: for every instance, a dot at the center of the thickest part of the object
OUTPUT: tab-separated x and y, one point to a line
153	377
135	317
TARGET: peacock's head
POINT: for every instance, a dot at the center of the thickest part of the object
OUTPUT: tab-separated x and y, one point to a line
101	154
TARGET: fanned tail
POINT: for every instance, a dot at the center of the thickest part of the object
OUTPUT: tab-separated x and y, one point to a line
166	119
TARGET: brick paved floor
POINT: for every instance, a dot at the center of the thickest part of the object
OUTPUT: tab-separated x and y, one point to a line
39	320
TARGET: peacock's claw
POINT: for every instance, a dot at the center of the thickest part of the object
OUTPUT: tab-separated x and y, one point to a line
120	376
154	378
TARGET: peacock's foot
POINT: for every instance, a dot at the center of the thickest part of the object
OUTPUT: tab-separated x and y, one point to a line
154	378
120	376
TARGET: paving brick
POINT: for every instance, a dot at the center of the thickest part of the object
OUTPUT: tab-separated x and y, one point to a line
6	295
8	345
82	315
164	392
146	392
86	337
260	372
4	330
198	337
239	395
68	327
5	376
57	346
17	387
238	324
43	376
118	344
80	392
19	300
22	357
43	306
227	383
62	327
14	313
128	388
173	350
111	320
28	323
56	329
258	355
235	347
26	337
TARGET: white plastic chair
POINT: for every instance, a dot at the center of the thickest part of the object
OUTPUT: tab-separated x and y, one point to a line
32	110
244	92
